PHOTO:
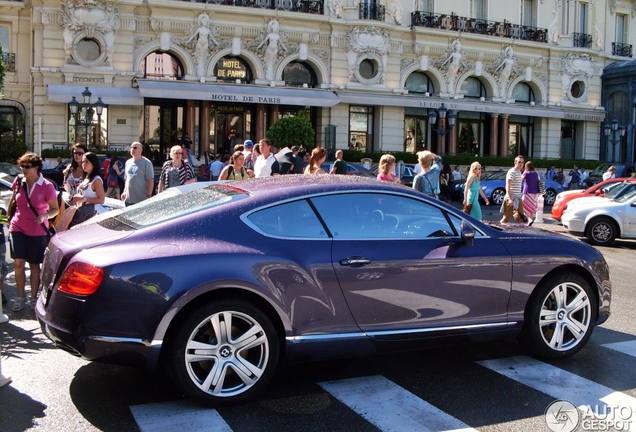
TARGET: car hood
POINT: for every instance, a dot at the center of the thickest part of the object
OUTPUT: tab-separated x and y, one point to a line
526	231
586	201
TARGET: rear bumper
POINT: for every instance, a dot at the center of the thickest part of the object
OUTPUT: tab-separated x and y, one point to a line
99	348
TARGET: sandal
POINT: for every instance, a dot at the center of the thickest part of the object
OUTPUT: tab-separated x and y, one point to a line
34	302
18	304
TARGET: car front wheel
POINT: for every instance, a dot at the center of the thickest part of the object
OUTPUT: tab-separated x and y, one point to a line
498	196
560	316
224	352
601	231
549	197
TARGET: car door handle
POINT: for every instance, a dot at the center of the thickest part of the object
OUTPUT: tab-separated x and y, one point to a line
355	262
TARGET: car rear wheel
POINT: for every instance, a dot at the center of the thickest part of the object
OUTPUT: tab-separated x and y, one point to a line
498	195
549	197
560	316
601	231
224	352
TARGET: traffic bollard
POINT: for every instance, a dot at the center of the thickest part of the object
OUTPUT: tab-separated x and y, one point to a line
540	204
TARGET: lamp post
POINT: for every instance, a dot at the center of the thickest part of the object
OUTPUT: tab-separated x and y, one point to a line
614	133
443	113
442	129
83	113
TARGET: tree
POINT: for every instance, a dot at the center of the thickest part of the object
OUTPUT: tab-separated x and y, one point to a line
291	131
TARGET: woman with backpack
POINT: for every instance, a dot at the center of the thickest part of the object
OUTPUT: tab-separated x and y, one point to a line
236	170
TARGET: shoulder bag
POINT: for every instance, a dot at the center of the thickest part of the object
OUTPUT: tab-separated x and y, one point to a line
50	230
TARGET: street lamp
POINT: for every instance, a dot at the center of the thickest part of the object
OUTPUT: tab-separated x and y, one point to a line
614	132
83	112
443	111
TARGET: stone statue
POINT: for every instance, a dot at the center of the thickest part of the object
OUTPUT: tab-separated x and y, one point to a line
453	63
273	41
204	35
505	69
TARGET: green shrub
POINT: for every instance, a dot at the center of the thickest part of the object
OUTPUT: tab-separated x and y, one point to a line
291	131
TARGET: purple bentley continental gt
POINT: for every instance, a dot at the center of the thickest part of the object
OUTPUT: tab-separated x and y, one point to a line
221	282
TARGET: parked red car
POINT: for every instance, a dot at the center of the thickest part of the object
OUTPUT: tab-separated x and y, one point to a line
562	199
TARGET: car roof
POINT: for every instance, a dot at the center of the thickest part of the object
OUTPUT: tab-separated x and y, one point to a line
312	183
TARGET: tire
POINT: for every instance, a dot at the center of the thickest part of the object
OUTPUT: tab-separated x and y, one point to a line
498	195
549	197
601	231
559	317
243	363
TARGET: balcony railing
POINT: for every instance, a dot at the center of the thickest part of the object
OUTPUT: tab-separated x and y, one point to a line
623	50
471	25
372	12
303	6
9	60
581	40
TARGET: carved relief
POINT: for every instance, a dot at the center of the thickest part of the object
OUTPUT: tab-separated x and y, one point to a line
367	42
335	7
396	12
576	71
90	20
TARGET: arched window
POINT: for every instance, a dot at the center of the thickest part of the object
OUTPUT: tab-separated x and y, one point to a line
473	88
296	74
162	66
232	69
523	93
418	82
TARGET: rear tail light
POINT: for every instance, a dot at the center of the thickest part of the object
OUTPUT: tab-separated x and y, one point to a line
81	279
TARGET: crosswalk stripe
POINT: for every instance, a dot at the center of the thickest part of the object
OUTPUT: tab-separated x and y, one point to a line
627	347
559	383
179	415
390	407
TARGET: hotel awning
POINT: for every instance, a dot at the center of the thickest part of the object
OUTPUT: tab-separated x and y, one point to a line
236	93
110	95
469	105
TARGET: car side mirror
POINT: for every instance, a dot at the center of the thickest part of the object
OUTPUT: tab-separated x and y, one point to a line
467	233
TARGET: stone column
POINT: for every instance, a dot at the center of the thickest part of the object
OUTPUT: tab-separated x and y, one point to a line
204	127
504	134
494	134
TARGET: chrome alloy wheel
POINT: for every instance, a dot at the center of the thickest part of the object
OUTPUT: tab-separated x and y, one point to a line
227	353
565	317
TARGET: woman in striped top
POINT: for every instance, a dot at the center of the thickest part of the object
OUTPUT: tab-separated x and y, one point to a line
175	172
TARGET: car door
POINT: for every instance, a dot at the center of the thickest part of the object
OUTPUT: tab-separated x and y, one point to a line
629	218
402	265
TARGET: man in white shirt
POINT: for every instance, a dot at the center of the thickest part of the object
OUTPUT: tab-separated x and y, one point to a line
457	173
610	173
266	164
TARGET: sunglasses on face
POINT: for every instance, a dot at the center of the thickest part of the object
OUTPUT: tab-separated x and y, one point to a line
78	153
26	166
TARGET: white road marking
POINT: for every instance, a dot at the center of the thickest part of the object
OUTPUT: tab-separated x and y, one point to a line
627	347
563	385
178	416
390	407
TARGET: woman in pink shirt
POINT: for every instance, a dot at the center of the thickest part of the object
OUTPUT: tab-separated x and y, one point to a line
36	203
385	169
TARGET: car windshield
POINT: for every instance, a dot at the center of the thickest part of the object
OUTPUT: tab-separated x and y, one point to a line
600	170
168	206
628	196
619	190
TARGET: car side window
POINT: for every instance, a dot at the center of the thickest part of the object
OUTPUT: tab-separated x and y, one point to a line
294	219
382	216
